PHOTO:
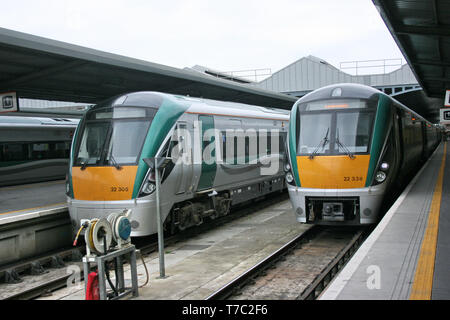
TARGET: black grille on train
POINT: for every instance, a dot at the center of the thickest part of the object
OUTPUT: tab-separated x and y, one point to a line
332	209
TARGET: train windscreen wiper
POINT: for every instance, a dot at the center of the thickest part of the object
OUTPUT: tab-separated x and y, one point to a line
321	145
347	151
84	164
114	162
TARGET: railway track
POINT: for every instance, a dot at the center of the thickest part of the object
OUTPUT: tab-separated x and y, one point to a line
42	275
299	270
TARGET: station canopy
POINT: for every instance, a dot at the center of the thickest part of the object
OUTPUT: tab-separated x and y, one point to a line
421	29
40	68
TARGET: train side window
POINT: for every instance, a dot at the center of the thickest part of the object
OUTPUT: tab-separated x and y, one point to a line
282	144
14	152
60	150
247	149
224	146
40	151
235	143
174	143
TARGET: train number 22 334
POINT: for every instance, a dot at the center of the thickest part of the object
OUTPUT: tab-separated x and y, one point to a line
119	189
348	179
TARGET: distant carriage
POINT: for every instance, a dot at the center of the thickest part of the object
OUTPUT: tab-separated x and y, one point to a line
34	149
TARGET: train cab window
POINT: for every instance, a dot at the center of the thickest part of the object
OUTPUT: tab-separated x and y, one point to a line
335	126
126	141
94	138
353	131
113	135
314	133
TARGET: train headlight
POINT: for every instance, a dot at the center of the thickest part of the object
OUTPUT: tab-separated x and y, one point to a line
148	188
287	167
384	166
289	177
380	176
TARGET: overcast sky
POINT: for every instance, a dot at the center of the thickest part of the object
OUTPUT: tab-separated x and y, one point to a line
220	34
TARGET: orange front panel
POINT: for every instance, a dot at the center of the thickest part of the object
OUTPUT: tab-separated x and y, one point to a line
103	183
333	172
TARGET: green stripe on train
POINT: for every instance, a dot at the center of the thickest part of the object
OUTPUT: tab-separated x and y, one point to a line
165	118
382	122
71	160
293	143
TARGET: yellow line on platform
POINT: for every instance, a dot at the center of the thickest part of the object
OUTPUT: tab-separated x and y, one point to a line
423	278
49	206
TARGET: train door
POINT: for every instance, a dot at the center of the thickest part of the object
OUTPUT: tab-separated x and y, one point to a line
209	167
186	166
424	133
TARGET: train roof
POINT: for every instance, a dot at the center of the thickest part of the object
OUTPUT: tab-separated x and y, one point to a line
17	121
353	90
215	107
195	105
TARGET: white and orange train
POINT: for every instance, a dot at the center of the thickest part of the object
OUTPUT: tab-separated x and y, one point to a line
349	146
222	154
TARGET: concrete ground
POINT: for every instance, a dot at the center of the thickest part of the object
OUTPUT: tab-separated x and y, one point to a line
23	199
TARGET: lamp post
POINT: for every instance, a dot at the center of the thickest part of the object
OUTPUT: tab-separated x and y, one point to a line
159	163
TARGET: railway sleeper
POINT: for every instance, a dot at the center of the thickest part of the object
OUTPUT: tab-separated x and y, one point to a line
36	268
57	262
11	276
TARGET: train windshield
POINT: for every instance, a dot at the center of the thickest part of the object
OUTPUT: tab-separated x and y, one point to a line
112	138
335	127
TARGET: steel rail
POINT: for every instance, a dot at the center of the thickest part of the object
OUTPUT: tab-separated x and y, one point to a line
240	281
321	281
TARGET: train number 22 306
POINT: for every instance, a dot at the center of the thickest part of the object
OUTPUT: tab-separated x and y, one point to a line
119	189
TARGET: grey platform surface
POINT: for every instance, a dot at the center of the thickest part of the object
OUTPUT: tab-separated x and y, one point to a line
23	200
441	279
384	266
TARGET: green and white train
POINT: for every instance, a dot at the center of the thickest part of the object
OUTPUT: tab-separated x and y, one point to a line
350	146
222	154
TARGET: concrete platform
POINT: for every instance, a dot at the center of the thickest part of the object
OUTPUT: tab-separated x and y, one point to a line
28	198
199	266
33	220
405	257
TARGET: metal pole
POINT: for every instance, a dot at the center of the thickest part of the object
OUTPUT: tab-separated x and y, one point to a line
159	224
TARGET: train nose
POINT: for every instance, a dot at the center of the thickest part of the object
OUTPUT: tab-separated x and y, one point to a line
103	183
333	172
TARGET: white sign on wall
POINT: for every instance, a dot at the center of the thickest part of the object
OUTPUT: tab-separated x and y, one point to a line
447	98
445	116
8	102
